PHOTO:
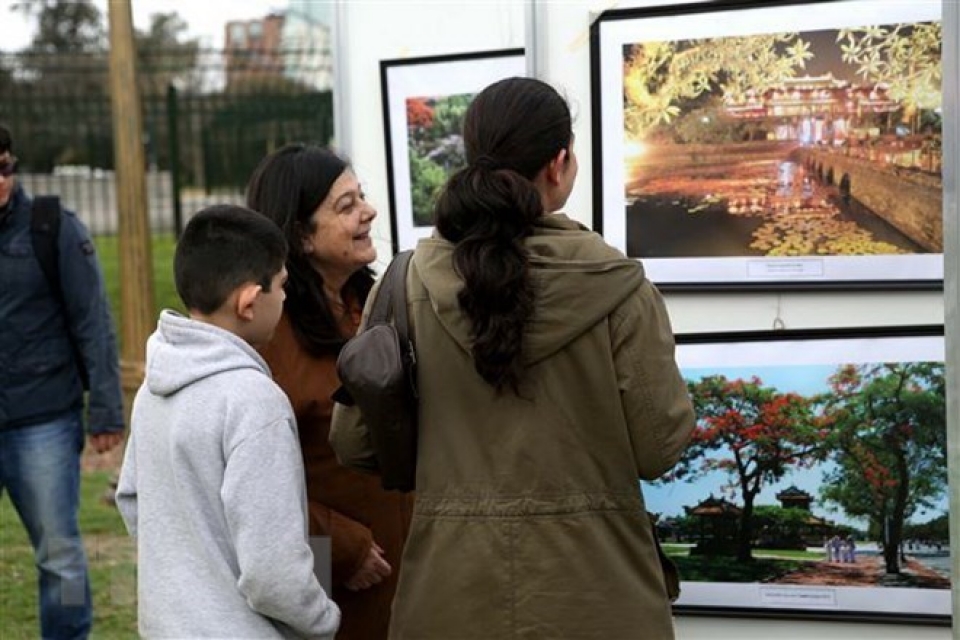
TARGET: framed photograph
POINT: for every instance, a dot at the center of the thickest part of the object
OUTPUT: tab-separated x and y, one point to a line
424	101
780	144
815	484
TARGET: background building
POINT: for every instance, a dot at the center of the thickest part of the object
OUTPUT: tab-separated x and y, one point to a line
293	44
252	49
307	44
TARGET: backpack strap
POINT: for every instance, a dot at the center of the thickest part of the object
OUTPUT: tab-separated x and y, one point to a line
45	234
398	286
45	237
392	295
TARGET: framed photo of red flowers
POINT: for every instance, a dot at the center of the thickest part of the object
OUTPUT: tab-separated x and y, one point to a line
781	144
424	101
815	484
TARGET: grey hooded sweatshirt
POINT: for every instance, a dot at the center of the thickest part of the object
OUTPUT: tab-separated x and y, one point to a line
212	487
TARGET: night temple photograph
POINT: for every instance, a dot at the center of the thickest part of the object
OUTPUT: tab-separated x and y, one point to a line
811	143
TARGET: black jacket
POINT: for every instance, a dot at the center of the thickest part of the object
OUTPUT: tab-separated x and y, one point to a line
39	379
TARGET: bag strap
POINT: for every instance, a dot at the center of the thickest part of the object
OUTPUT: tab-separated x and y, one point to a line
392	295
45	238
45	232
398	286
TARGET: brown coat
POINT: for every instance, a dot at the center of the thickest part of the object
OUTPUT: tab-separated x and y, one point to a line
529	520
348	506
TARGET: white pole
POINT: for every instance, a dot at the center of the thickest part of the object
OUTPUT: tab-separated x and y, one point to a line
341	80
535	44
951	284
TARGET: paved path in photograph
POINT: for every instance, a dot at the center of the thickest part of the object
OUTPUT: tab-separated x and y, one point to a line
867	571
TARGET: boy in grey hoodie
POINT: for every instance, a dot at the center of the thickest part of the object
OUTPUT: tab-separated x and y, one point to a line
212	481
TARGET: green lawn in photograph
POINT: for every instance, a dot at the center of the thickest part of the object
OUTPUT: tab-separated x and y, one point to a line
111	554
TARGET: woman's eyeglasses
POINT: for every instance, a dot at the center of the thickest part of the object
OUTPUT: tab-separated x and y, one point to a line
8	166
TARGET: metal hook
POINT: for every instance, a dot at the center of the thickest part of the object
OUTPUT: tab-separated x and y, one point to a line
778	323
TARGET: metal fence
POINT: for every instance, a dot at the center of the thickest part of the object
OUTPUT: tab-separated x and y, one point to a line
208	118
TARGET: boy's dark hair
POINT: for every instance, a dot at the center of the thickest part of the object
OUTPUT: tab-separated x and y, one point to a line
6	140
223	247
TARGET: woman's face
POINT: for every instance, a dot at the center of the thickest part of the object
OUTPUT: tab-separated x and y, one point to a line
340	243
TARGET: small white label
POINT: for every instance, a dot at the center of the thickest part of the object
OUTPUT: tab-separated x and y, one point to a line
780	269
799	597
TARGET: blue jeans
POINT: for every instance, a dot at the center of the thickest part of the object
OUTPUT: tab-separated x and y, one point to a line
40	468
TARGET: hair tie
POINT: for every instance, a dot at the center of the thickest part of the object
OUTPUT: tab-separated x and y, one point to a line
486	162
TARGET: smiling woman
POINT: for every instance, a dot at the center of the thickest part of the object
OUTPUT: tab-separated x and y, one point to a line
316	198
340	243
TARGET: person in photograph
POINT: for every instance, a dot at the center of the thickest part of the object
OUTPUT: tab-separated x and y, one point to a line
212	482
548	387
849	550
314	197
836	549
59	385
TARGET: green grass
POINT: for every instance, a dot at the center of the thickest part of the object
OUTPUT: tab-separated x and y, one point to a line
111	555
767	564
794	554
787	554
164	291
728	569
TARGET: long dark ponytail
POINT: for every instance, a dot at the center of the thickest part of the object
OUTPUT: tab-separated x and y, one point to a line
511	131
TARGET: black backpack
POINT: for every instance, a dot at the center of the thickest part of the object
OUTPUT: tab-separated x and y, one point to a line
44	235
377	369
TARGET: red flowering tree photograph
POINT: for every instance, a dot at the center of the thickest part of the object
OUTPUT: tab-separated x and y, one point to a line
813	475
424	103
436	148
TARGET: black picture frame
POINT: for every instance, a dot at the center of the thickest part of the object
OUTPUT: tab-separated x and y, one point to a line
806	202
411	88
779	417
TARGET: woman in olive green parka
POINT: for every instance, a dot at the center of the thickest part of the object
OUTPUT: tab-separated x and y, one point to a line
548	387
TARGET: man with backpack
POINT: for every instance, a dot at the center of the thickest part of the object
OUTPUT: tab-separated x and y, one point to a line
57	343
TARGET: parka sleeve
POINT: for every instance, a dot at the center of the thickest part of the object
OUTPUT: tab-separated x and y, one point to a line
350	439
656	403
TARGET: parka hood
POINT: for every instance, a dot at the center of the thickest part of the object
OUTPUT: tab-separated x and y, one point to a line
183	351
578	280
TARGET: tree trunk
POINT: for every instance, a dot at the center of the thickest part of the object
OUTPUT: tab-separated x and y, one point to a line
891	552
746	530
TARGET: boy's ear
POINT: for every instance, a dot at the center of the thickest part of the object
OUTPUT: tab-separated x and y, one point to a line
246	297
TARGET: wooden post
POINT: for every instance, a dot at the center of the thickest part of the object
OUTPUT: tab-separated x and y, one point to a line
136	271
